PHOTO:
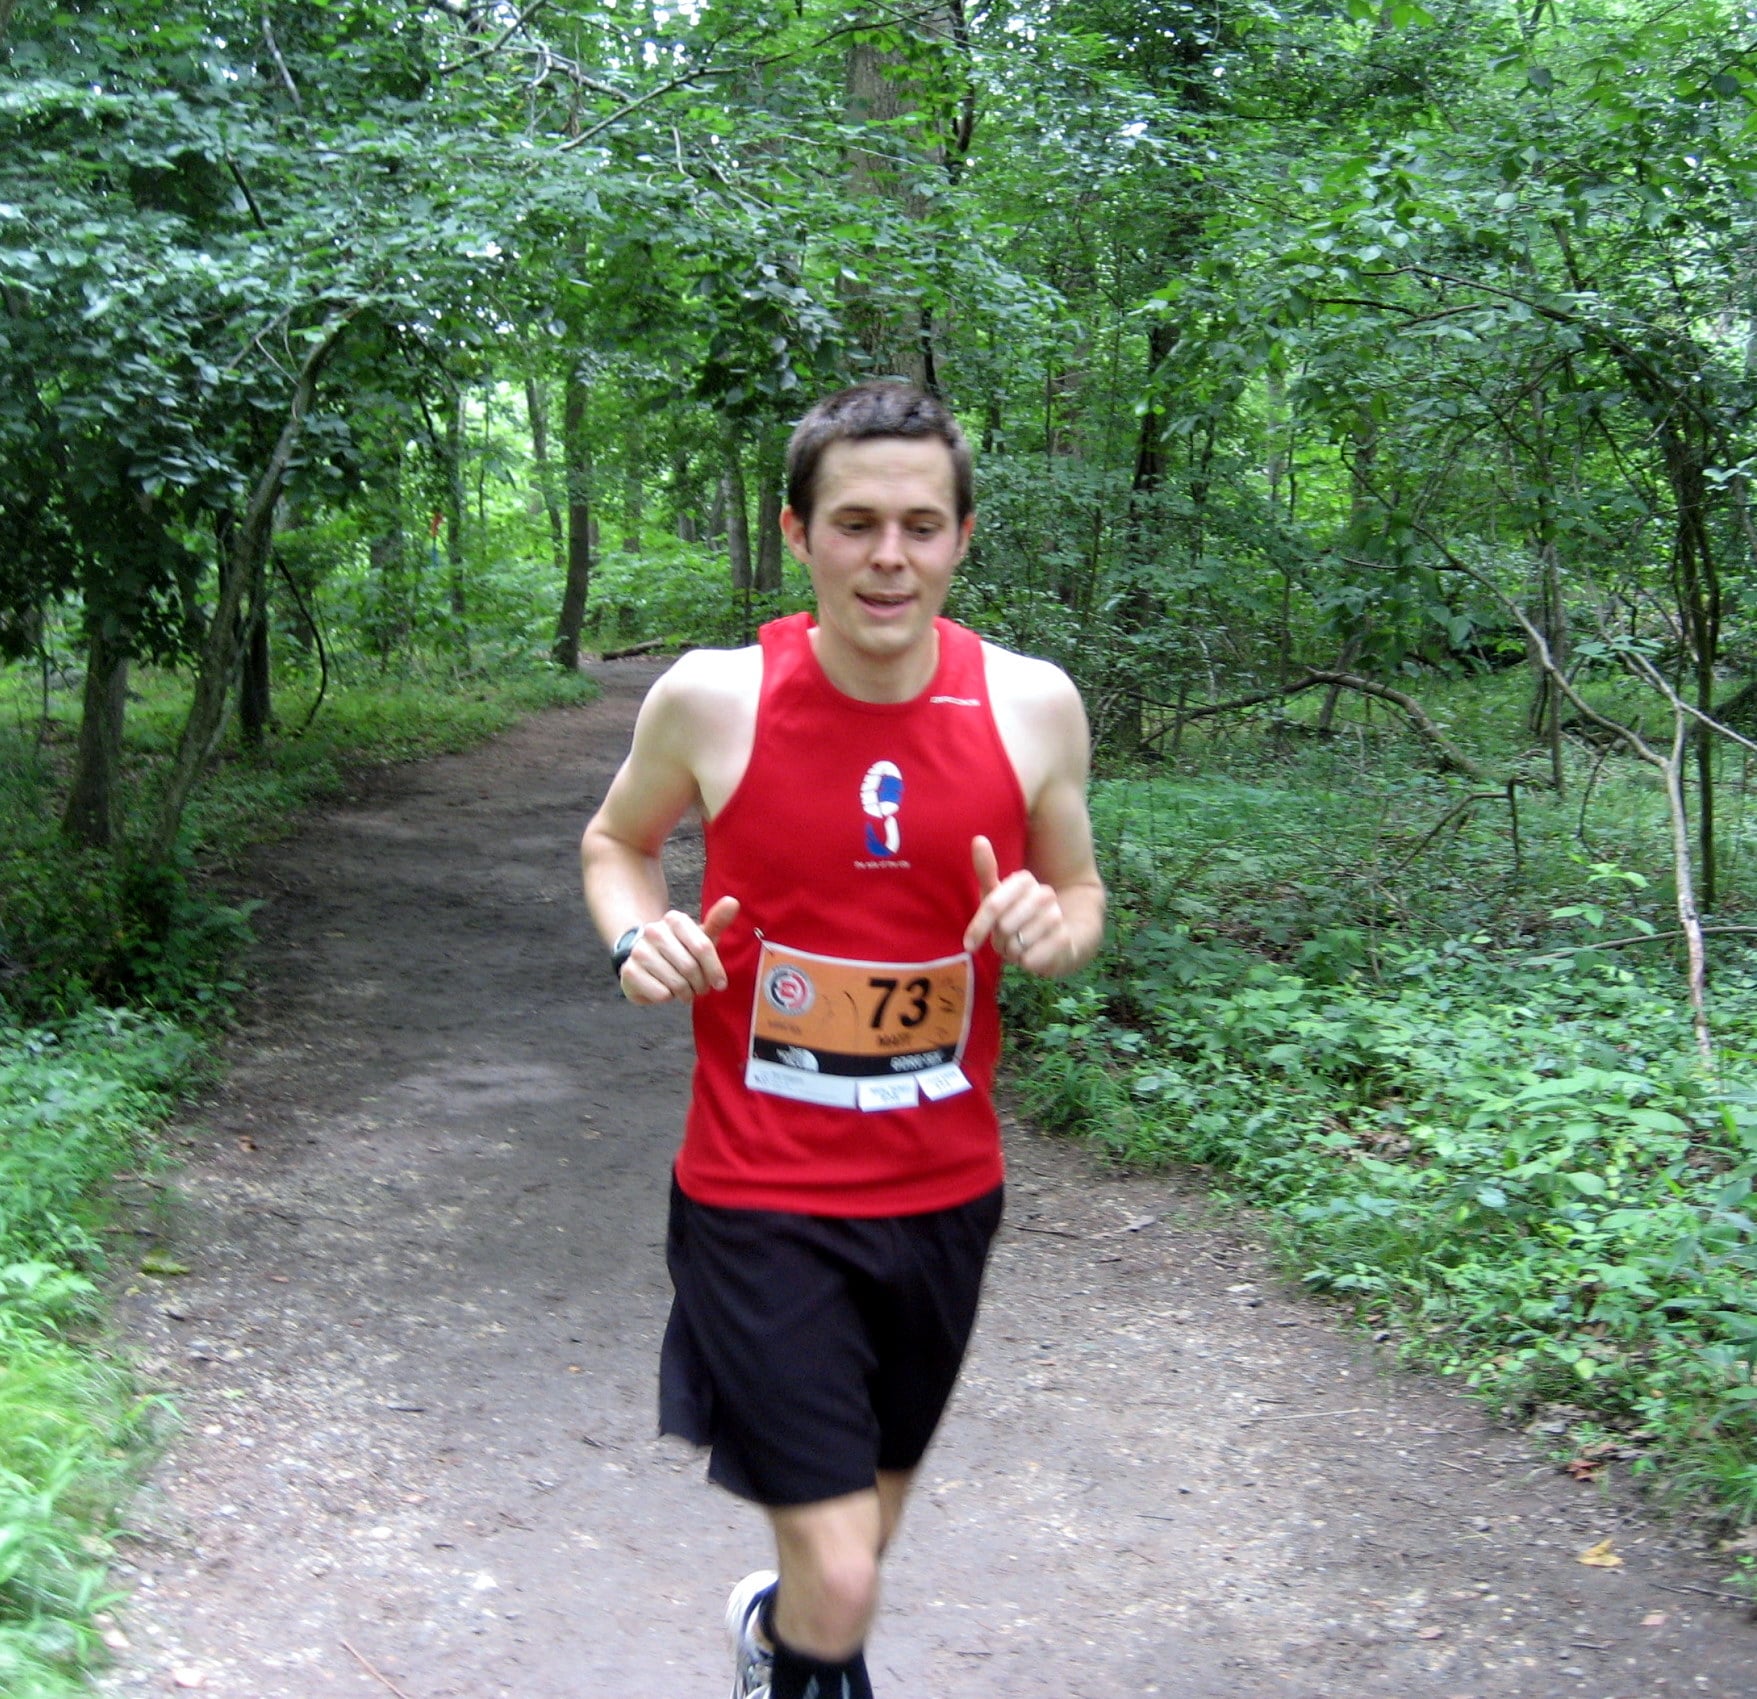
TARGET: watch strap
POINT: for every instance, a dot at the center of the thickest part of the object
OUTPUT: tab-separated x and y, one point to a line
623	948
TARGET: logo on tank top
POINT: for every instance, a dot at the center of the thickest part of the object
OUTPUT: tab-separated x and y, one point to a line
881	797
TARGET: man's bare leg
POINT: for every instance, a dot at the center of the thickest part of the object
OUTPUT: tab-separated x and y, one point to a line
893	1492
828	1555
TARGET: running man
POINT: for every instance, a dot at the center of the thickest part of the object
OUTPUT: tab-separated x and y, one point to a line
893	808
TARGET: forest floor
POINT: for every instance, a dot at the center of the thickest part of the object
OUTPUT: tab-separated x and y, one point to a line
415	1352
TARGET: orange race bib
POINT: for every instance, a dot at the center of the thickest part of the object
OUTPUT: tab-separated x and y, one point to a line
859	1035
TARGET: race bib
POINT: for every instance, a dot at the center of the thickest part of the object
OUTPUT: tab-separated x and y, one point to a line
859	1035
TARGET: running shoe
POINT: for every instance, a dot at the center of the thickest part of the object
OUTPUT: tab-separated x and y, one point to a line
753	1662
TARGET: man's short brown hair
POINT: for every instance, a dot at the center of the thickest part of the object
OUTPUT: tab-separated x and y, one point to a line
880	408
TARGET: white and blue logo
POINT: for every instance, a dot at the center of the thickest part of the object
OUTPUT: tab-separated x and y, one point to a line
881	796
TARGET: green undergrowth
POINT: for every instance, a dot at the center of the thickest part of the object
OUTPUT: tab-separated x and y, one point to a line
114	976
77	1107
677	594
1471	1120
80	928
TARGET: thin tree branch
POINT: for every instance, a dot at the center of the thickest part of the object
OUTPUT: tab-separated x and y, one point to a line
698	73
310	613
1540	646
639	101
1646	670
1209	709
1634	361
1463	806
244	190
274	52
505	36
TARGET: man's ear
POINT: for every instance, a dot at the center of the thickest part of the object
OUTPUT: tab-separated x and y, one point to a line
964	530
793	529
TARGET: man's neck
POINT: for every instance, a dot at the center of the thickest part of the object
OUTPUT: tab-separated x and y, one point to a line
889	678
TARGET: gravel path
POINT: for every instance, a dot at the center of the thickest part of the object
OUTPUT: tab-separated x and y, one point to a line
415	1356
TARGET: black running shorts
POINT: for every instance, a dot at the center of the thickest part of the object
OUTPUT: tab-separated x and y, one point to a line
810	1352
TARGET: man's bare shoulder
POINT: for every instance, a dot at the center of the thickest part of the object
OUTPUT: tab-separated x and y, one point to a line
1026	684
1041	721
705	685
700	719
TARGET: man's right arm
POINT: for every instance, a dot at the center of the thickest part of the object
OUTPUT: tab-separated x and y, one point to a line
674	959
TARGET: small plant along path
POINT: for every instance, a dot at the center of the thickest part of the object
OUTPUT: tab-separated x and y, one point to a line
416	1341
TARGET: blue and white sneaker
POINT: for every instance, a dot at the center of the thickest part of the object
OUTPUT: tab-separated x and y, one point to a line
753	1661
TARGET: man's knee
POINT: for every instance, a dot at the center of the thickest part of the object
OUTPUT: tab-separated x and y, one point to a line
829	1561
838	1601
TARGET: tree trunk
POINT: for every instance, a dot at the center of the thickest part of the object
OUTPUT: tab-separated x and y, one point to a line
737	511
387	552
1333	696
456	506
255	687
1140	608
898	340
537	412
220	651
685	514
1689	917
577	449
634	489
93	813
1546	707
770	472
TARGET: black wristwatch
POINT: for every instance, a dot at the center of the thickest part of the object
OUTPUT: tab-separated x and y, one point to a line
623	948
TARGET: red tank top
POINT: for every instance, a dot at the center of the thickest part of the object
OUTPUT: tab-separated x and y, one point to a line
848	1067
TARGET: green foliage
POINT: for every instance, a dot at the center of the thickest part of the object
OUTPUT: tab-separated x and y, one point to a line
76	1106
72	1437
78	928
680	593
80	1098
1471	1125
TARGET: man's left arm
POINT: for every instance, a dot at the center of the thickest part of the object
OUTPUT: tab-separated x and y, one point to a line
1048	917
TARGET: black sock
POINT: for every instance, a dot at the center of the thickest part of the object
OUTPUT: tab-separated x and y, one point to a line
798	1677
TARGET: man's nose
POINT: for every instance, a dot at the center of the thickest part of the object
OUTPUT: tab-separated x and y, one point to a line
888	548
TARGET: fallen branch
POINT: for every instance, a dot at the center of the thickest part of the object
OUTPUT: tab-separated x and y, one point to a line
1640	938
376	1674
1707	1593
645	648
1451	756
1312	1415
1209	709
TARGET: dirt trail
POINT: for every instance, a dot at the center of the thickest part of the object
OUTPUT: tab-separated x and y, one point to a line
415	1354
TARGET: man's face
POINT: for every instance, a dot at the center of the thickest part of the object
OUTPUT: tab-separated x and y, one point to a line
881	548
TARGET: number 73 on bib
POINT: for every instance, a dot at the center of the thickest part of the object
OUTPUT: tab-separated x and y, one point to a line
859	1034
